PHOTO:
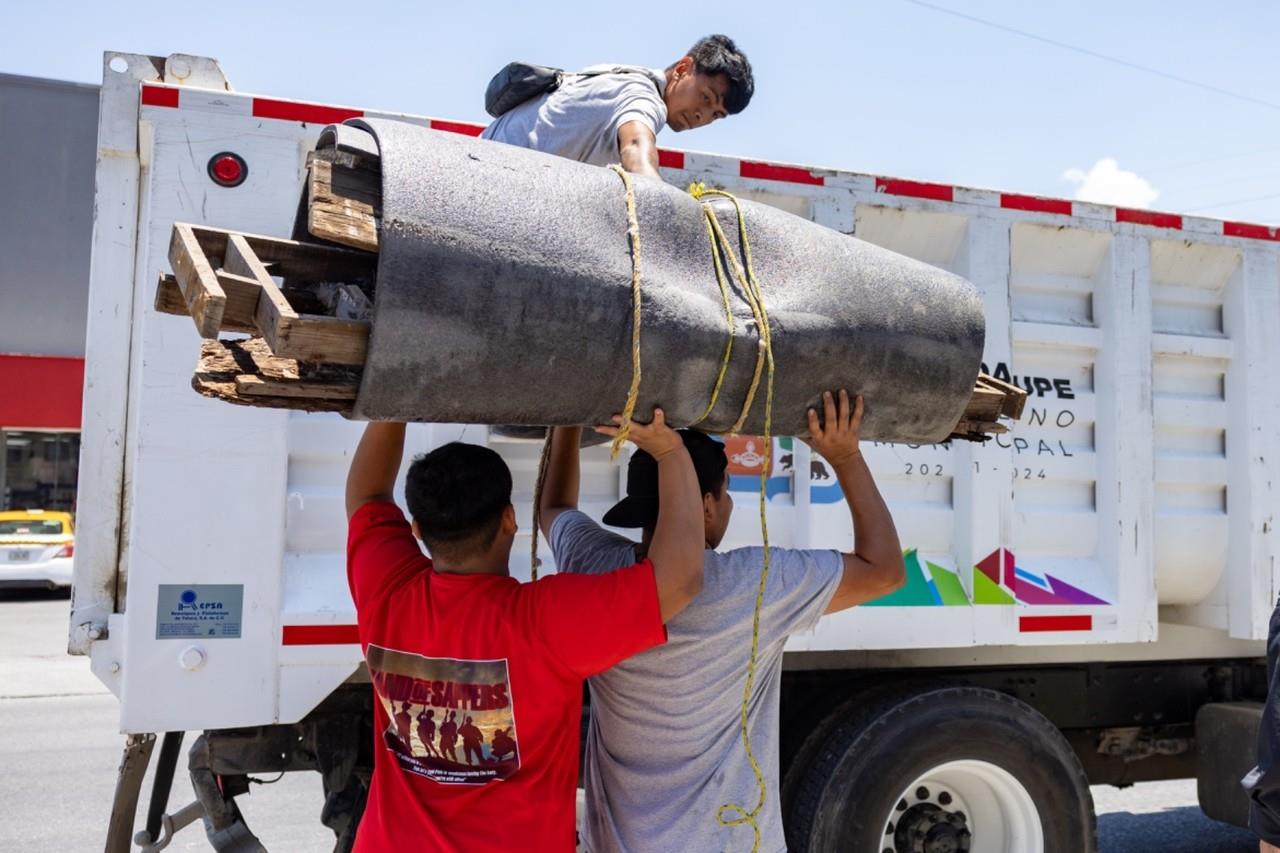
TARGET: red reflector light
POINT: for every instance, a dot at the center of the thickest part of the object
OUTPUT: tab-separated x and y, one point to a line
227	169
68	550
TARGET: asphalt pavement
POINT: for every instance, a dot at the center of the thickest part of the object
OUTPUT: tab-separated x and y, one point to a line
59	750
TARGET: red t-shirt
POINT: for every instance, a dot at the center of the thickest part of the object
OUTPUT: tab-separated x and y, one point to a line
478	690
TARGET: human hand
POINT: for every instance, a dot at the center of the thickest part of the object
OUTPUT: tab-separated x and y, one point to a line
838	440
655	438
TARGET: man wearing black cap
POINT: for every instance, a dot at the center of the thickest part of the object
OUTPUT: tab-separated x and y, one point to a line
663	751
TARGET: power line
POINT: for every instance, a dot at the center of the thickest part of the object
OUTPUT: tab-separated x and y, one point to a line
1093	53
1233	201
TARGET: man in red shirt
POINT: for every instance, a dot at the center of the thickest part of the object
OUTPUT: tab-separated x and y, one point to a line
455	633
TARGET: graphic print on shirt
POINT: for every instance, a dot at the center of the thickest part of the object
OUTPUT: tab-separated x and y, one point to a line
450	720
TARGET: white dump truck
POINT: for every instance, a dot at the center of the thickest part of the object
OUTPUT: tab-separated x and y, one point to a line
1087	596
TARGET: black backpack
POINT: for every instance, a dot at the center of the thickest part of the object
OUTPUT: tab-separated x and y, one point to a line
519	81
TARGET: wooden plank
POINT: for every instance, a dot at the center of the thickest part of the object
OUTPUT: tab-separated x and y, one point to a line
204	297
343	205
1015	397
326	340
986	402
298	263
236	318
256	386
273	310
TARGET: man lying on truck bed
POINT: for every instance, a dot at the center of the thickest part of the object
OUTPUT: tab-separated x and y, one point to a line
500	664
650	789
610	115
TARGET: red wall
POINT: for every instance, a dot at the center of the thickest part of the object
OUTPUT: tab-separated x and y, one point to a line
40	391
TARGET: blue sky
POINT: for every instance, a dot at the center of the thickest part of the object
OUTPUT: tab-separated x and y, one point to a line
883	86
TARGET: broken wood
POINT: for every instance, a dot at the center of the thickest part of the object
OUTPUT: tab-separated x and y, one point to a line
991	400
256	386
270	381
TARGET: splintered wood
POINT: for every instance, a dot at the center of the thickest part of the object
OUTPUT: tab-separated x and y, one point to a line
308	304
991	400
248	374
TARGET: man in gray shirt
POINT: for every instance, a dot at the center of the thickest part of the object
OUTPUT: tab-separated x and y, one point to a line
615	116
663	749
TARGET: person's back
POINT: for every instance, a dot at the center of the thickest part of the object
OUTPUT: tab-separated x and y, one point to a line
580	120
458	634
613	114
664	749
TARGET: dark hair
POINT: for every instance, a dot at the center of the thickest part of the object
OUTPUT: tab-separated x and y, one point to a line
710	462
640	507
718	54
457	494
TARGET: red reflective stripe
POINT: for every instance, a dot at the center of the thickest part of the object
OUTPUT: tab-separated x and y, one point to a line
320	635
1055	623
915	189
1148	217
159	96
457	127
293	111
670	159
773	172
40	391
1248	229
1011	201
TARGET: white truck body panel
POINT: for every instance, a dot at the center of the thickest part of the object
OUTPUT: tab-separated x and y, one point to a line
1099	528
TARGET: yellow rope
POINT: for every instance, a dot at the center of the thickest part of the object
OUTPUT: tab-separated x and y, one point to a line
744	273
633	232
755	298
709	217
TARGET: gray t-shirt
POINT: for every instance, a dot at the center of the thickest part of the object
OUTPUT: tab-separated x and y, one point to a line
580	119
664	748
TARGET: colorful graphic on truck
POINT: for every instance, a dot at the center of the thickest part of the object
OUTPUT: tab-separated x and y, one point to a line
997	579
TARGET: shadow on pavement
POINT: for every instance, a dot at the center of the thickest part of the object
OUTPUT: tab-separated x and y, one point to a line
1180	830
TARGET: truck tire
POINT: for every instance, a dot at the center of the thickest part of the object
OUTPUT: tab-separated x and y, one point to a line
944	770
864	699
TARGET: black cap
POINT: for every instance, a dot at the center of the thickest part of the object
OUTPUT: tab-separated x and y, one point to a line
640	507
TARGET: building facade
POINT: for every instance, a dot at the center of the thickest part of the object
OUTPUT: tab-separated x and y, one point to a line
49	132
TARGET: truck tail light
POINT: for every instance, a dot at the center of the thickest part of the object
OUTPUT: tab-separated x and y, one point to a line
227	169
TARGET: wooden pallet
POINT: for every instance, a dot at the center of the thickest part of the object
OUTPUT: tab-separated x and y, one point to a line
992	400
309	302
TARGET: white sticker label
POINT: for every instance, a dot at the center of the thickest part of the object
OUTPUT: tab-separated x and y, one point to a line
211	611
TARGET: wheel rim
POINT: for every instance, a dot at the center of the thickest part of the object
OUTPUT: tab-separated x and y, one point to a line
964	807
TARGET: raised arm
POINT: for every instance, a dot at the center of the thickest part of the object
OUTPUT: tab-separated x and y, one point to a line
638	149
875	567
560	490
678	537
372	475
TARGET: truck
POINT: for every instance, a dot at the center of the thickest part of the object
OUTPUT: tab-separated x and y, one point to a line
1086	598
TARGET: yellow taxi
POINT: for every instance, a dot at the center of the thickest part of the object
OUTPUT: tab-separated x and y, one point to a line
36	548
